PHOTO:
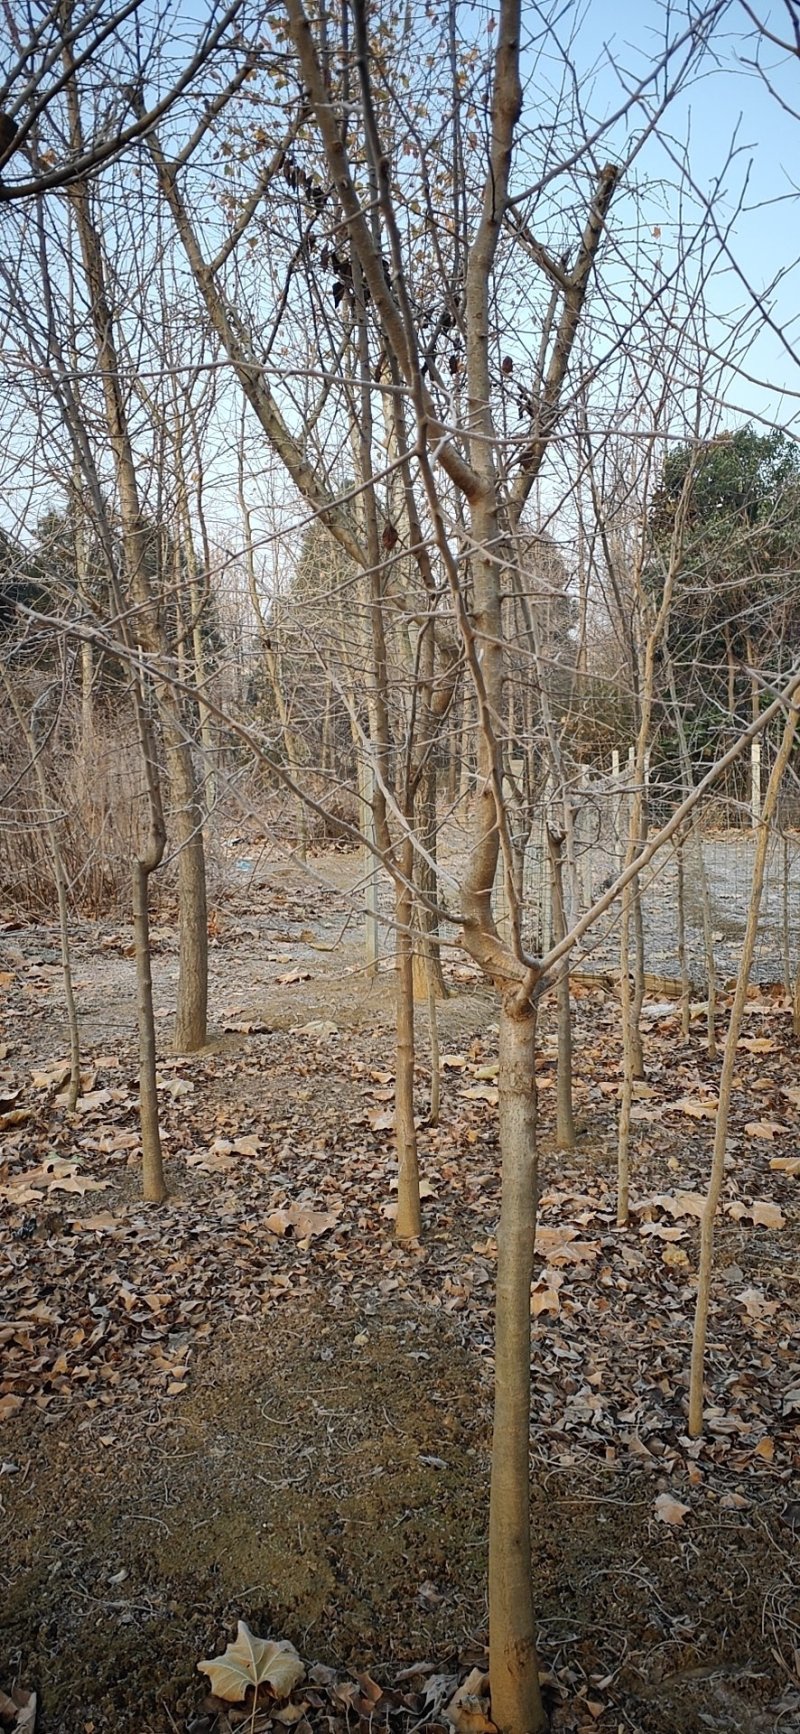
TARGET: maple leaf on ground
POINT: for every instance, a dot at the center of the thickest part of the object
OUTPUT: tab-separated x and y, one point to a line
764	1212
252	1661
755	1303
683	1203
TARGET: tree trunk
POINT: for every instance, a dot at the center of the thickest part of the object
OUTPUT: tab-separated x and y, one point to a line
192	988
682	959
696	837
370	861
565	1120
628	1059
726	1083
786	954
436	1068
409	1218
453	740
60	878
467	749
272	666
637	997
208	782
154	1185
428	972
513	1667
191	1026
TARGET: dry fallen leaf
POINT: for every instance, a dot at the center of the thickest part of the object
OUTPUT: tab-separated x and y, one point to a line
669	1510
699	1108
289	1714
468	1709
252	1661
786	1165
54	1079
765	1214
99	1224
307	1223
689	1204
675	1257
482	1093
556	1234
764	1129
544	1294
18	1710
79	1183
660	1231
756	1304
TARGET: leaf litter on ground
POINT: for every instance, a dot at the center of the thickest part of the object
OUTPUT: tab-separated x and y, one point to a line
281	1192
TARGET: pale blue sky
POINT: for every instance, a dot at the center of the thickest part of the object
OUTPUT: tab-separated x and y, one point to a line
726	103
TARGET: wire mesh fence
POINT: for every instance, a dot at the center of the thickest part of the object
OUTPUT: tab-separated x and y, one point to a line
716	864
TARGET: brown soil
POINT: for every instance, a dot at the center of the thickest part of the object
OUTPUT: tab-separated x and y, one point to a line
324	1472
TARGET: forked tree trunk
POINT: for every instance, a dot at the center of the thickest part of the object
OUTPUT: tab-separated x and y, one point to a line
726	1083
148	629
513	1666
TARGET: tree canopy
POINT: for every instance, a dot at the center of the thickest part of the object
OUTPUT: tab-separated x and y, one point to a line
729	511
